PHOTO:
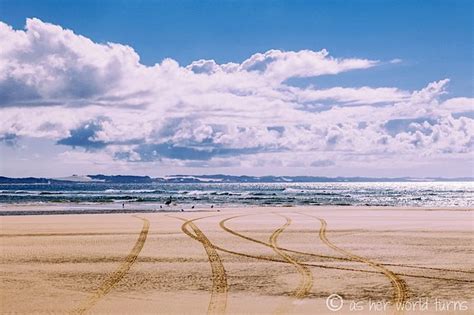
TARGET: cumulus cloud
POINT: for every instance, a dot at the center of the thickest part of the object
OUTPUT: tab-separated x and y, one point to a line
49	65
57	85
279	66
458	104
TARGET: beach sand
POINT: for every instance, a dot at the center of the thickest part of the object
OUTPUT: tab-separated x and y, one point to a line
272	260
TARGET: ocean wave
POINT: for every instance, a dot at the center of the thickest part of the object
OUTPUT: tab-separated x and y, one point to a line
135	191
247	194
198	192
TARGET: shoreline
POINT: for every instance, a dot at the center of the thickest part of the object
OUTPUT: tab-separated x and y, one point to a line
113	208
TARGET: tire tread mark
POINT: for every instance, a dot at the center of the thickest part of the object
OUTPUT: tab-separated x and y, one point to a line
225	228
218	301
222	224
272	259
119	273
400	294
306	280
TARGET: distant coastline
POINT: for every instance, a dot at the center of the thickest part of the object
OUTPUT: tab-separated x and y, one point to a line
218	178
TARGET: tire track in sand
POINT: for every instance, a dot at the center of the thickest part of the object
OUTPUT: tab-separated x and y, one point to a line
218	301
227	229
401	291
118	274
277	260
233	232
306	280
222	224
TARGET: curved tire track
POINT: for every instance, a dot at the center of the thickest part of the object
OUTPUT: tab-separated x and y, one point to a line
222	224
398	284
233	232
306	281
218	301
277	260
118	274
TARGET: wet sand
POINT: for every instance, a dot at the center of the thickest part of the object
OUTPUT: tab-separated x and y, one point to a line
240	261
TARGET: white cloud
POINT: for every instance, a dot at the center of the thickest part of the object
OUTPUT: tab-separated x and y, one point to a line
458	104
351	96
60	86
279	66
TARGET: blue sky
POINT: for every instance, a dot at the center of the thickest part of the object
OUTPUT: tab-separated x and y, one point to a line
387	54
433	38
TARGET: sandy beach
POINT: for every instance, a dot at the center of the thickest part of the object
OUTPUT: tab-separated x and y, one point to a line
282	260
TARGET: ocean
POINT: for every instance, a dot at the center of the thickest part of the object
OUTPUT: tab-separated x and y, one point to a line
413	194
